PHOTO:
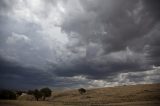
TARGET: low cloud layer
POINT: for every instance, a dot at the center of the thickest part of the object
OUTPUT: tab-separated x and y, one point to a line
74	43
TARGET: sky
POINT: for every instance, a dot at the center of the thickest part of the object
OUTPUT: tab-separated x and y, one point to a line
66	44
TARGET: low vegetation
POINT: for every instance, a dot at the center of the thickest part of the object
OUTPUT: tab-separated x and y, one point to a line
82	91
7	94
24	103
28	95
45	92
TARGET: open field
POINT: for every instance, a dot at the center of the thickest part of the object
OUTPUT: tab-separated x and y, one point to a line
23	103
133	95
40	103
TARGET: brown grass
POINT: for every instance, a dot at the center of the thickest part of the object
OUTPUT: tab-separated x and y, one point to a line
139	95
40	103
132	93
24	103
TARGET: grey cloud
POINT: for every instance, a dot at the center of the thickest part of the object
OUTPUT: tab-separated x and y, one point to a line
125	24
9	25
24	37
129	78
153	7
6	5
15	76
153	45
149	76
116	30
103	66
67	38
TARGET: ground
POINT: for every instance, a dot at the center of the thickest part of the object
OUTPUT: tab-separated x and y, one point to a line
133	95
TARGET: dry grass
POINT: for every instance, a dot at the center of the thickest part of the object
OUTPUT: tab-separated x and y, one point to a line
24	103
149	92
39	103
139	95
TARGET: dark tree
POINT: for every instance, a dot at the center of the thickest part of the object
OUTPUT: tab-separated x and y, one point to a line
30	92
37	94
46	92
82	91
7	94
19	93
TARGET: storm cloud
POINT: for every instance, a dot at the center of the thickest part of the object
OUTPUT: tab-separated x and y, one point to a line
75	43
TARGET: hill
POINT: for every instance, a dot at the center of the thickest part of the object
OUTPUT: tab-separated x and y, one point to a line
119	94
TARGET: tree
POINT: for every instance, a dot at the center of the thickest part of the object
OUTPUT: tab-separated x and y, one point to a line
37	94
7	94
82	91
46	92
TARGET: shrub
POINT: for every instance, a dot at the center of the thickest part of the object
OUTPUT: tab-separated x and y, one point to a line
30	92
82	91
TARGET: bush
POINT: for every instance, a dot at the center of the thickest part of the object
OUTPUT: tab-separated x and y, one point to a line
7	95
46	92
37	94
82	91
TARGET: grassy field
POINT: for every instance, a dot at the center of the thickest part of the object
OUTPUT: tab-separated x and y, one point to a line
40	103
23	103
118	94
133	95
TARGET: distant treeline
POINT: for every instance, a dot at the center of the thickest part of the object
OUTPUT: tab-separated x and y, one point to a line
7	94
37	94
13	95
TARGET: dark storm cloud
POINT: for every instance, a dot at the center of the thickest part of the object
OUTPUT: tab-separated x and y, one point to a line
104	66
153	7
153	47
68	39
153	37
15	76
116	26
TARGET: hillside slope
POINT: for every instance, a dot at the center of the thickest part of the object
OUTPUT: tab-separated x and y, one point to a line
119	94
